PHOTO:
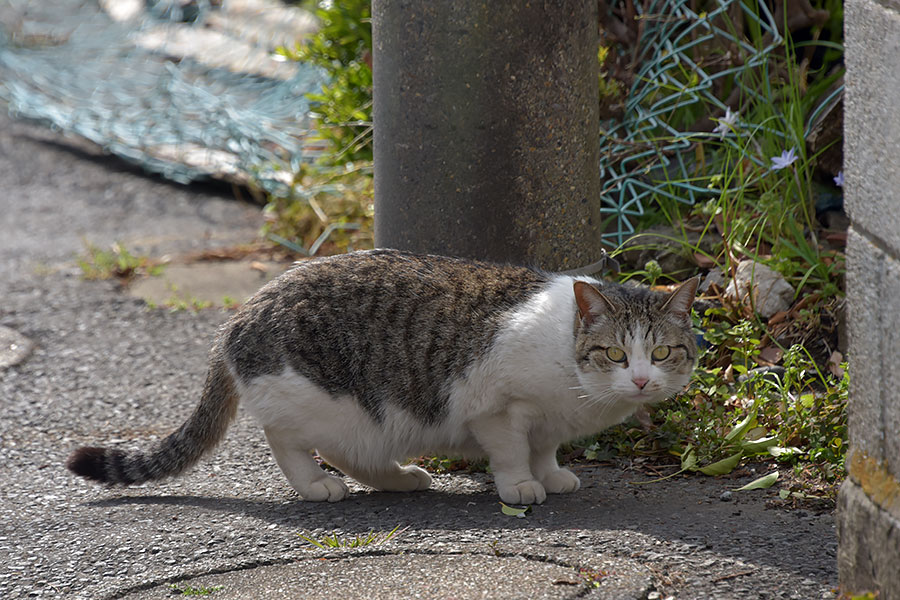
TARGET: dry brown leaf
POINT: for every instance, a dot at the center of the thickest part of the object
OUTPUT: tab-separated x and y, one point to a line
834	364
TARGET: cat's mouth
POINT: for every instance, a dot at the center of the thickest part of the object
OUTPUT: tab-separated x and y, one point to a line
645	396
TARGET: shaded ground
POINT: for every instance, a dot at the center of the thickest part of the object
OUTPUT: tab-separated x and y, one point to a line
106	368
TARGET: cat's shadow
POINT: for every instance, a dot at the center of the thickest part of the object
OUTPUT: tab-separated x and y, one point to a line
687	511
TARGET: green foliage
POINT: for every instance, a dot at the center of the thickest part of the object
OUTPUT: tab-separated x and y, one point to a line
331	542
343	48
862	596
330	207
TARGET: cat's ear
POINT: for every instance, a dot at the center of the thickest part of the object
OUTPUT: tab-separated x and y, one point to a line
679	302
590	302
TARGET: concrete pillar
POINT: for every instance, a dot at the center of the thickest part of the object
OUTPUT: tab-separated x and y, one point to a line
486	129
869	502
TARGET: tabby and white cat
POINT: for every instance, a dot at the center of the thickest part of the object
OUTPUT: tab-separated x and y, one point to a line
376	356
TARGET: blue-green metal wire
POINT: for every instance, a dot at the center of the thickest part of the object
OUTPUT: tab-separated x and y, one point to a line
94	81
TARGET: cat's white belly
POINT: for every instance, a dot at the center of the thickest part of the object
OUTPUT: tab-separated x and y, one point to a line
339	427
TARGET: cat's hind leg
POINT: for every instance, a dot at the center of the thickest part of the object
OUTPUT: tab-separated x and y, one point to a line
301	470
393	478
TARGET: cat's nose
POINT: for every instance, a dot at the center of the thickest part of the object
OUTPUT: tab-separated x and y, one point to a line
640	382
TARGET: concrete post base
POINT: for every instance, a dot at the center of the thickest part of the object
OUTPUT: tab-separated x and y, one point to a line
869	545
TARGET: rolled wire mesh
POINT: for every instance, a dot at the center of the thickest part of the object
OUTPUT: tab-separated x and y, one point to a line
130	87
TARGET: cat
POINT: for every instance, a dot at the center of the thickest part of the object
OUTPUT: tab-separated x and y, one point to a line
376	356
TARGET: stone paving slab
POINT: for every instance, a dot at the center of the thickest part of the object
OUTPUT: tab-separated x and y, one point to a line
106	369
206	282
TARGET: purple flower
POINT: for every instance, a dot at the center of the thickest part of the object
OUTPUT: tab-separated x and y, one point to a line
786	159
727	122
839	180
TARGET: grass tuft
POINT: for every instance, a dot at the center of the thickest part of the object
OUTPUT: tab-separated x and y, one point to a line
333	541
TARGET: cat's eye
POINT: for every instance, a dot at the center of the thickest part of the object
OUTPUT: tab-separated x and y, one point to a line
660	353
615	354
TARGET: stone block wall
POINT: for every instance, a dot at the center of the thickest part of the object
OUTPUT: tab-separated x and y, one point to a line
869	501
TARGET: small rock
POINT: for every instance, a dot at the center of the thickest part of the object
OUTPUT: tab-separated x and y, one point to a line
14	347
725	496
715	276
766	288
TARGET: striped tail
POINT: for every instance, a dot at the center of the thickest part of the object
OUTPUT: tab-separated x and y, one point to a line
180	450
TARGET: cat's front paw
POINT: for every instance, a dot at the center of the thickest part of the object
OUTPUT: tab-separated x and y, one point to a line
561	481
526	492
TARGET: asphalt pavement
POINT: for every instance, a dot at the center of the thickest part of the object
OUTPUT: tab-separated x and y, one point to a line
105	369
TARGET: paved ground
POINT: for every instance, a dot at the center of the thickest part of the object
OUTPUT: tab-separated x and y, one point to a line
105	368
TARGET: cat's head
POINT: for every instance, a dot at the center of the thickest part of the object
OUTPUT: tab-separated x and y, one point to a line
632	344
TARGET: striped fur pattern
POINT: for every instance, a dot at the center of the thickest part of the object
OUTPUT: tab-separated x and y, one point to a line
376	356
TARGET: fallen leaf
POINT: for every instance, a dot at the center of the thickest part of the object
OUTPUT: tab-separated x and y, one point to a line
514	511
728	376
766	481
724	466
777	451
834	364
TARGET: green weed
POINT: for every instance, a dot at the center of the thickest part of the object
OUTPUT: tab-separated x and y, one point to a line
332	541
178	301
116	262
592	577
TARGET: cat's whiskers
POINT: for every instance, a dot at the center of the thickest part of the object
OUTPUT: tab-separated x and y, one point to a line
605	399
